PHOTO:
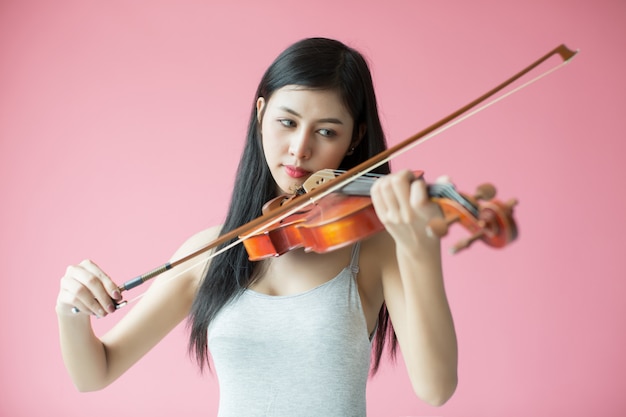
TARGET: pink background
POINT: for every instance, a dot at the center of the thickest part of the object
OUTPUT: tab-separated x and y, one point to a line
121	123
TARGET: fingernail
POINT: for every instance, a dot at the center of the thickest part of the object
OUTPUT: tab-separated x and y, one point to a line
111	308
418	174
117	295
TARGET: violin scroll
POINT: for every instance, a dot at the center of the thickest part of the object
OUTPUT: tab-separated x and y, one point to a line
486	218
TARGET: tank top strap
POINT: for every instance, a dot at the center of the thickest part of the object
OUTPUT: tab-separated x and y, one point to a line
354	262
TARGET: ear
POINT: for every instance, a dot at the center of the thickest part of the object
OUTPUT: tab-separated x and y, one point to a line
260	108
357	139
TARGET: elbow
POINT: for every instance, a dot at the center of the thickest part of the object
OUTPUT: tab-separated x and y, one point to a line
438	393
439	398
89	386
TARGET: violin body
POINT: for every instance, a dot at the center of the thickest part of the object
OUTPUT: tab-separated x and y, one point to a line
338	220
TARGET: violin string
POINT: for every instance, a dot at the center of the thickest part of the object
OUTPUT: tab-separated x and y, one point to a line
362	187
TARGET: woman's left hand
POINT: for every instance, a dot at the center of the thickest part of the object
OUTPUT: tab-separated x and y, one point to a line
403	206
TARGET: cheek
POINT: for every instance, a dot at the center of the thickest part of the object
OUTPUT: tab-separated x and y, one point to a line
270	148
267	141
271	135
274	147
334	155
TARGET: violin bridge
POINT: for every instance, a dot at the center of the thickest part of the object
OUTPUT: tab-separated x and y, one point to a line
317	179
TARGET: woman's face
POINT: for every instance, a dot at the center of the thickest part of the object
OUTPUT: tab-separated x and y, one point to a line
303	131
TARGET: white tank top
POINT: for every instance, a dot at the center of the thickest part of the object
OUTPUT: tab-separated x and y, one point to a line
299	355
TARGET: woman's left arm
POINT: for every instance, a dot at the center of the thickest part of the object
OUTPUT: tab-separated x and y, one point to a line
413	286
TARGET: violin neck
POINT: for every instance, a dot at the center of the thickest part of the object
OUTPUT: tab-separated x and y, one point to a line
362	186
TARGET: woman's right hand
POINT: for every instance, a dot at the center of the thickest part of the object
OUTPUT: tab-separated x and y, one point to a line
88	289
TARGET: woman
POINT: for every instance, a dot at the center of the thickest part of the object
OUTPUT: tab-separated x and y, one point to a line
291	335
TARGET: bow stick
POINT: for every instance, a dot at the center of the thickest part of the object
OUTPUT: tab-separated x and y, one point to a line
279	213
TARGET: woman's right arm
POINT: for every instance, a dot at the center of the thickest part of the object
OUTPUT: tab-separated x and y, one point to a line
93	362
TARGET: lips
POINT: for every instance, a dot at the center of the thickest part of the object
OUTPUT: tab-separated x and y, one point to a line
295	172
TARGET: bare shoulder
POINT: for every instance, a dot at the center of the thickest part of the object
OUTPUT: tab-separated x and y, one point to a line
191	271
197	241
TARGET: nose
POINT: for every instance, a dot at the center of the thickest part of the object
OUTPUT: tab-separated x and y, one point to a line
300	145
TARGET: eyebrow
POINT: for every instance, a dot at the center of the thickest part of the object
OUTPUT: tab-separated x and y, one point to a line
325	120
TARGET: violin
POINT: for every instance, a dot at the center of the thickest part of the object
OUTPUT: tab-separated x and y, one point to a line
487	219
347	216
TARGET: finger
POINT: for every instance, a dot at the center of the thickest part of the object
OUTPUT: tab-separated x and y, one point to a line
74	297
69	303
89	290
392	193
110	286
419	193
444	179
424	206
378	201
386	205
401	188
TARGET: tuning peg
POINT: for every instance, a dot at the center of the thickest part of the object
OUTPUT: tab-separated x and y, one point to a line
439	226
465	243
485	192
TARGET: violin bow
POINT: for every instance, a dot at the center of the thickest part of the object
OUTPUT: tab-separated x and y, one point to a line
274	216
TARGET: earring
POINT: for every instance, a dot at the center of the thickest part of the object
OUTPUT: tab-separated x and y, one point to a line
351	151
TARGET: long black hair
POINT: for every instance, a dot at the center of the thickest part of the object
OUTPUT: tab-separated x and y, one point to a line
316	63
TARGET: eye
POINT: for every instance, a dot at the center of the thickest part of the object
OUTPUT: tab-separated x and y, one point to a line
327	133
287	122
